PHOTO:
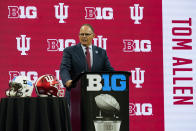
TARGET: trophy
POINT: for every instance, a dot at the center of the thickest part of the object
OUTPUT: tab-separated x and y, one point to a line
107	119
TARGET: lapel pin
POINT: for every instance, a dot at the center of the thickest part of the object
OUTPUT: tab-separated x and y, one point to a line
96	52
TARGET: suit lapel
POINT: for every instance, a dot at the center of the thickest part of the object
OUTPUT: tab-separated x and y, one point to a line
95	52
81	55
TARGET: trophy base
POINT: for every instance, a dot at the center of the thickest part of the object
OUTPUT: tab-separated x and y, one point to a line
103	125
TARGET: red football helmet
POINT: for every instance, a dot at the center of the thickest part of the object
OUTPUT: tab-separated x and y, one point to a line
48	85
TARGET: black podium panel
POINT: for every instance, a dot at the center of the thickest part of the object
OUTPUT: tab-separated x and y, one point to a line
105	101
34	114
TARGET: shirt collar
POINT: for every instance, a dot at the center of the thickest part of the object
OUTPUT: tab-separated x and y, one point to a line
84	47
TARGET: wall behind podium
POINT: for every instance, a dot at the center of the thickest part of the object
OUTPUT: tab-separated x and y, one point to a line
154	40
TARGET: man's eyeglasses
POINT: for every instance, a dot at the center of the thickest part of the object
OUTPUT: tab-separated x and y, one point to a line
85	34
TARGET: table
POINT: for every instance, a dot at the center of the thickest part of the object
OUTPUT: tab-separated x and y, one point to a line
34	114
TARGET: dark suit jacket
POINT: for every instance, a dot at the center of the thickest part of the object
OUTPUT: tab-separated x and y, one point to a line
74	62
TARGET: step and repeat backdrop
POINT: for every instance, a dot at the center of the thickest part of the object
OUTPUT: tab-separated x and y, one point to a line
154	40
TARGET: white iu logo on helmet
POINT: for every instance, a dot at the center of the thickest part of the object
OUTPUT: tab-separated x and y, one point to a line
138	13
24	44
49	78
63	14
137	77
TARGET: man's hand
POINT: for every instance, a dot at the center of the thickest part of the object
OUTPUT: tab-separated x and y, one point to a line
68	83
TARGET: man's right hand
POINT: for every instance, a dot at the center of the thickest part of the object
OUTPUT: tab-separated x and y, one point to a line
68	83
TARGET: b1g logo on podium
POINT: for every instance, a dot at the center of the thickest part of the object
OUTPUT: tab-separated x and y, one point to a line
99	13
136	45
23	44
28	12
61	12
95	82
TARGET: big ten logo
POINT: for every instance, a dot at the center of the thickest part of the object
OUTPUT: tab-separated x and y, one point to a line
61	12
140	109
137	77
29	12
136	13
99	13
23	44
137	45
106	82
59	44
31	75
100	42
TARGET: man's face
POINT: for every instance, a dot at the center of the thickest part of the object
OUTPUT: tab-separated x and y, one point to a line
86	35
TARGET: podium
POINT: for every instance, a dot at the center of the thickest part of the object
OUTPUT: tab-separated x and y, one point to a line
100	102
34	114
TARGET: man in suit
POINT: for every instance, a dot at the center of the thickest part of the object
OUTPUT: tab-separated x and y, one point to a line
82	57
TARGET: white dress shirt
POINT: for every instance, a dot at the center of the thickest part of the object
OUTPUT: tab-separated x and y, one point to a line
91	52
